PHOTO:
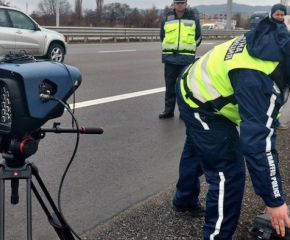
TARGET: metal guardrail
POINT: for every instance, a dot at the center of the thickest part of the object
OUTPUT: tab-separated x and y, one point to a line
221	33
100	34
86	34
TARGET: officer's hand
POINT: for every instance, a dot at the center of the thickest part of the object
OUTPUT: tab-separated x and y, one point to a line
279	216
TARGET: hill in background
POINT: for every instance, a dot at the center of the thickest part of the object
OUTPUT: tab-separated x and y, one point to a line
222	8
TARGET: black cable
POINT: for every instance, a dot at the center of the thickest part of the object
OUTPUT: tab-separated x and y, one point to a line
69	164
74	90
21	57
74	121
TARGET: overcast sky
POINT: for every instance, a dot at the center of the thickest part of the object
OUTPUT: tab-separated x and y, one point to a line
144	4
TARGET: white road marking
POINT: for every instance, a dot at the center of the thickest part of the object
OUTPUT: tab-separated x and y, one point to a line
133	50
117	98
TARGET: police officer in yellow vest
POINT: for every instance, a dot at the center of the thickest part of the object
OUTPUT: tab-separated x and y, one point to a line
225	90
180	34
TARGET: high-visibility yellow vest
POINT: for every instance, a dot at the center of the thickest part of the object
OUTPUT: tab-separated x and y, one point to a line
208	80
179	37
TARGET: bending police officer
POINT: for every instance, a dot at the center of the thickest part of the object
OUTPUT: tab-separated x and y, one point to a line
243	82
180	34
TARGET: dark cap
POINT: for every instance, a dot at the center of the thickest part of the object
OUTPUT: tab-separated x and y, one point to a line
179	1
278	7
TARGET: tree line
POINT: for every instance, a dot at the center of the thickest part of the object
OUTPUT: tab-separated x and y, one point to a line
105	15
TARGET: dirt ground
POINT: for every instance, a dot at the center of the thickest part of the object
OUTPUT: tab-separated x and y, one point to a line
153	218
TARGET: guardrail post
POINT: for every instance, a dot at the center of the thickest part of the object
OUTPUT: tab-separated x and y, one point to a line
66	38
115	39
101	39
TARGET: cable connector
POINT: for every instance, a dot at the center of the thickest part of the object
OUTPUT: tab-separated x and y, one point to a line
44	97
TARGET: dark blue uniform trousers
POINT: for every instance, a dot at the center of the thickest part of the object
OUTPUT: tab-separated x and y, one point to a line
171	73
188	185
212	144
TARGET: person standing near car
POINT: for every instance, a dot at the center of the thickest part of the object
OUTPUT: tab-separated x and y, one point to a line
180	34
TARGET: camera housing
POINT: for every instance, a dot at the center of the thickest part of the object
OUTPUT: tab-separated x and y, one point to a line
22	110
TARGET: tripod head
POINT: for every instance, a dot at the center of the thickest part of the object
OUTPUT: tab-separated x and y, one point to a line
15	150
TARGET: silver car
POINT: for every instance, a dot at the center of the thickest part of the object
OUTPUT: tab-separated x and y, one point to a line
20	32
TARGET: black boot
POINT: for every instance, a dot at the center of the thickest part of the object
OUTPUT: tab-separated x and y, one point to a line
165	115
195	211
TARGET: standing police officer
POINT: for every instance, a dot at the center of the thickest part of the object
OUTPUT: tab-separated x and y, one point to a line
180	34
243	82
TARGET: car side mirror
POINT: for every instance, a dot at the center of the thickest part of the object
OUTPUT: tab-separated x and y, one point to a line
37	28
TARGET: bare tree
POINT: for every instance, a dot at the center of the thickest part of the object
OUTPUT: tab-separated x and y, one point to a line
48	7
100	4
4	3
116	14
134	18
113	15
90	17
78	9
151	18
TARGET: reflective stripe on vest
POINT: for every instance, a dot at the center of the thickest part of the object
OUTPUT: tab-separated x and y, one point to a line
179	37
208	78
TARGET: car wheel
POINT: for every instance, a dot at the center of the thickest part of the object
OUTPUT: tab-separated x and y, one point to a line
55	53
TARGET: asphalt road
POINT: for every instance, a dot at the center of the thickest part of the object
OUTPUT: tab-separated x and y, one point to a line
136	157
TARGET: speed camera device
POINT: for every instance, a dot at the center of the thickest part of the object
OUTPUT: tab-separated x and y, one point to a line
24	88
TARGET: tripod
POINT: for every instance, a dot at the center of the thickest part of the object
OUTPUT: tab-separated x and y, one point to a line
15	166
14	170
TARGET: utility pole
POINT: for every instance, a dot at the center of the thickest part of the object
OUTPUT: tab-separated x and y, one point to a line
229	14
57	13
78	9
26	7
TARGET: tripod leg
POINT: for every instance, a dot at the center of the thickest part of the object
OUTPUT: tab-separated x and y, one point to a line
14	191
57	221
2	208
25	172
29	209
